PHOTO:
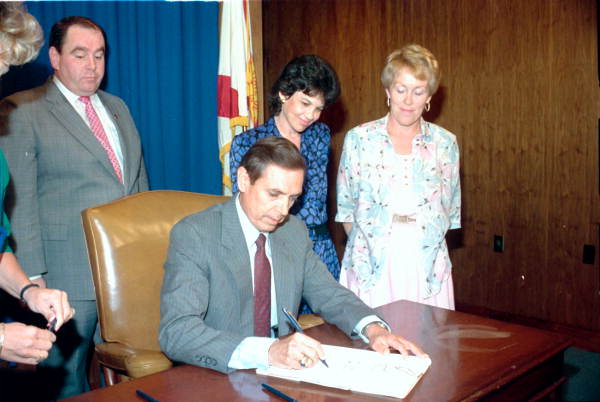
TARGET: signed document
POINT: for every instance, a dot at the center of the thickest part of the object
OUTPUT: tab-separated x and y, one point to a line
361	371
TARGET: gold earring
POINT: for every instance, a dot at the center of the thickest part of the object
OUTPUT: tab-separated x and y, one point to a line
427	106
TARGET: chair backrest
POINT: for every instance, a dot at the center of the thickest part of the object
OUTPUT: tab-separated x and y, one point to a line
127	242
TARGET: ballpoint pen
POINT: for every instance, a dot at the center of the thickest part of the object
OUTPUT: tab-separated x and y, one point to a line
51	326
297	327
278	393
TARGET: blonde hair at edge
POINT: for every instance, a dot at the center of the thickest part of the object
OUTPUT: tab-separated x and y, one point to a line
21	36
420	61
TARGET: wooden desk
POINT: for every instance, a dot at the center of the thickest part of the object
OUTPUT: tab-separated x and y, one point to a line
472	358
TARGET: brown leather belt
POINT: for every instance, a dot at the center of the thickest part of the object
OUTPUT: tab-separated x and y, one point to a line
403	219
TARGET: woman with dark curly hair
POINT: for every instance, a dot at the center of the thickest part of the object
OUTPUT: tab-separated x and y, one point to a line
306	86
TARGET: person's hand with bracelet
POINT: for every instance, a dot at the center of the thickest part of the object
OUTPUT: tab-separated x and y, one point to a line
51	303
22	343
383	341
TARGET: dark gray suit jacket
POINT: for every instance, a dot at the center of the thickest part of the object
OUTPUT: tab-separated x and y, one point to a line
207	297
58	168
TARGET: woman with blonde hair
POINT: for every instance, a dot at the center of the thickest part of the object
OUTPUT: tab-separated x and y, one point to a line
398	192
20	36
20	40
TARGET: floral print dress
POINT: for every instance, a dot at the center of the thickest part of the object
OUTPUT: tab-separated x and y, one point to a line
399	260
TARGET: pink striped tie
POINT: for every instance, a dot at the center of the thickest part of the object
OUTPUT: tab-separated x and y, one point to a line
100	135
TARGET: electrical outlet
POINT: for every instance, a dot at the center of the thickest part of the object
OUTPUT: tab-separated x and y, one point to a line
589	254
498	244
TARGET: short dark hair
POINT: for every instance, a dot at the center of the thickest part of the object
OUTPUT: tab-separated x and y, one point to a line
309	74
59	30
272	150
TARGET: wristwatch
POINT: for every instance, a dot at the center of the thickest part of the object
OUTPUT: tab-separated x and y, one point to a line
379	323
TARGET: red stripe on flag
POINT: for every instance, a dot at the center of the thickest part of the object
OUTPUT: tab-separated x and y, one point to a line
227	98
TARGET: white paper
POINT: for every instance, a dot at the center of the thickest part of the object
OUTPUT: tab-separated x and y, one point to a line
361	371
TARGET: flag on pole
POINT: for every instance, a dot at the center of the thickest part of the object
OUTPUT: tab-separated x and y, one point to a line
237	94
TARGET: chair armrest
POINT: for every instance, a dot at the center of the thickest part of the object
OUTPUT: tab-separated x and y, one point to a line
307	321
134	363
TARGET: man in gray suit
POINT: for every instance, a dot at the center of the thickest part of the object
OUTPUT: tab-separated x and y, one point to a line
209	296
69	146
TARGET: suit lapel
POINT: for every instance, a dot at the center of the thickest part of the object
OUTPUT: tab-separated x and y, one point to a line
284	276
74	125
238	263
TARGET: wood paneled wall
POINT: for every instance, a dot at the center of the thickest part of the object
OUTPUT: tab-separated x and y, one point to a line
520	91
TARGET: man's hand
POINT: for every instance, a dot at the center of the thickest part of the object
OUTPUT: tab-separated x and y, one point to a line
51	303
381	340
25	343
297	351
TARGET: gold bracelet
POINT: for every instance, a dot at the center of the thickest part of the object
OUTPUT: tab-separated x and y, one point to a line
1	336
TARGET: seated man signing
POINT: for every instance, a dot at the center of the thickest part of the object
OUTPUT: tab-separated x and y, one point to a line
223	291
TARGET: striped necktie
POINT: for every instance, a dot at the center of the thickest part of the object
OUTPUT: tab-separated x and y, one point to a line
100	135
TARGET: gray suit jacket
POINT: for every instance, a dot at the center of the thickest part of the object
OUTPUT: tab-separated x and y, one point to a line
58	168
207	297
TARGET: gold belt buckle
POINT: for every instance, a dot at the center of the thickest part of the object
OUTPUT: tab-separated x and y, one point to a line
403	219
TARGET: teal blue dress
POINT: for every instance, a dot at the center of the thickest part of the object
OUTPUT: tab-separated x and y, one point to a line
4	224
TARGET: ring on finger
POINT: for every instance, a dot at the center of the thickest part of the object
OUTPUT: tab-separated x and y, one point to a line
303	361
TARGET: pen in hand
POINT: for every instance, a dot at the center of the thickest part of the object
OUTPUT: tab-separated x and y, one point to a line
297	327
51	326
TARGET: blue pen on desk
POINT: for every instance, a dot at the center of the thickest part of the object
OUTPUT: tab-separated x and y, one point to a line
297	327
278	393
145	396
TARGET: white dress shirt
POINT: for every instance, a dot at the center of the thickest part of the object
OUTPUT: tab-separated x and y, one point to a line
253	351
107	123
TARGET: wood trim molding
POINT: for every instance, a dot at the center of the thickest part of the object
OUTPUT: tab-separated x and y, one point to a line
257	48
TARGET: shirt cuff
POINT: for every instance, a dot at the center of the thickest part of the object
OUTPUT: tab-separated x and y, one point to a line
252	352
358	329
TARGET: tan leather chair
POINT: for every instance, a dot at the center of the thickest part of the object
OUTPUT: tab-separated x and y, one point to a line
127	242
307	321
